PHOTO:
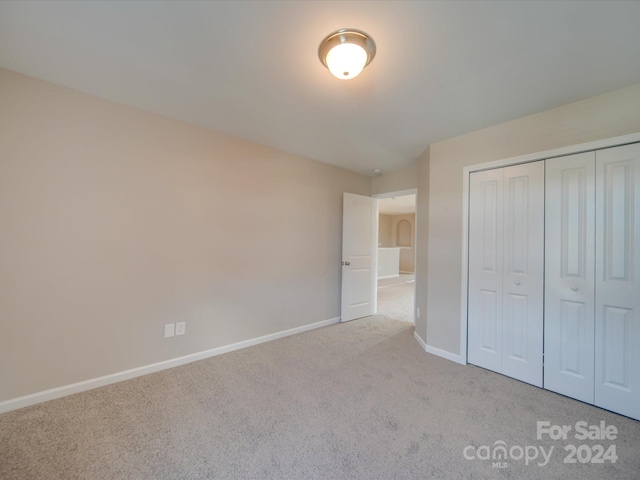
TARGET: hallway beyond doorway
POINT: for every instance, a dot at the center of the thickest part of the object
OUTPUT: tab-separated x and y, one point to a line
396	297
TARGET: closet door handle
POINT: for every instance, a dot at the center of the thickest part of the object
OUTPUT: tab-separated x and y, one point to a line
517	282
574	288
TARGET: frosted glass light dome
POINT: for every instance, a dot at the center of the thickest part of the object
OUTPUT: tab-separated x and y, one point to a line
346	60
346	52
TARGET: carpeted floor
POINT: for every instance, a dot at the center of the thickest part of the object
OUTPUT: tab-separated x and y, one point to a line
396	297
359	400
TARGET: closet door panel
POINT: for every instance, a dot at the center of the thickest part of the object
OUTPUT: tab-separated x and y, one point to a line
569	275
485	269
617	310
523	272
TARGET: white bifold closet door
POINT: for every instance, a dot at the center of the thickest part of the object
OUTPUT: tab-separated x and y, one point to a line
506	259
617	303
569	276
592	289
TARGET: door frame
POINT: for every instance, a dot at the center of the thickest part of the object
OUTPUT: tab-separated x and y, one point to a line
532	157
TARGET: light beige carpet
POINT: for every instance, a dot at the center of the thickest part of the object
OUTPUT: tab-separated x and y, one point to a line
396	297
399	280
351	401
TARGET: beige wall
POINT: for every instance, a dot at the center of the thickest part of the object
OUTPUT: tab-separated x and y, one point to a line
397	181
115	221
604	116
384	231
395	219
407	262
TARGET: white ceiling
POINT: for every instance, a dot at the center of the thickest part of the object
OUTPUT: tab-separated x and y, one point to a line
397	205
250	68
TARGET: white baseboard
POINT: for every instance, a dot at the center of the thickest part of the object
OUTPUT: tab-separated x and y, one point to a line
419	340
444	354
58	392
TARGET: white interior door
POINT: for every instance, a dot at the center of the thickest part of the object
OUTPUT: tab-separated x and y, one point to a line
617	310
506	249
569	276
359	244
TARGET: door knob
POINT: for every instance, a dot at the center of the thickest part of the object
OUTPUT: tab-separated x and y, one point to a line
517	282
347	263
574	288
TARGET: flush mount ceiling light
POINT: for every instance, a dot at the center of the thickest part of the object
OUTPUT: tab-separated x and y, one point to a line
346	52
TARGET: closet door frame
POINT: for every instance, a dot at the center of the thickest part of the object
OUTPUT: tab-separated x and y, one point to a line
466	172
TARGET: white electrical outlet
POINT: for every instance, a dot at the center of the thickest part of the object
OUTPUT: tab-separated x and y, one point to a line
169	330
180	328
418	312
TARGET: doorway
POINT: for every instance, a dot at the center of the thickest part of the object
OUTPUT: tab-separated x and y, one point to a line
396	256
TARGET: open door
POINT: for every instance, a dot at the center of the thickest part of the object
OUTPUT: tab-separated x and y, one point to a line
359	243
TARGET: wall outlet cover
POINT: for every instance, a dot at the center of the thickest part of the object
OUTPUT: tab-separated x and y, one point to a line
169	330
181	328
